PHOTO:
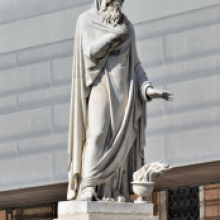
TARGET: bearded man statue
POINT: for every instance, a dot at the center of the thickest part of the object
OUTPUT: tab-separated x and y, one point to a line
107	117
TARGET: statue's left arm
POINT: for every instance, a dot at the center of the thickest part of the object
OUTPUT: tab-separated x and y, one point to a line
145	86
143	82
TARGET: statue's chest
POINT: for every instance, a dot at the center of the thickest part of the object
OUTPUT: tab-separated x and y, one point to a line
118	63
118	71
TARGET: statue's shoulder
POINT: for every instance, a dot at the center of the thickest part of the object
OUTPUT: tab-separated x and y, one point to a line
130	23
84	18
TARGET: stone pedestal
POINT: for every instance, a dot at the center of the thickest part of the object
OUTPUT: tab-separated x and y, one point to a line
76	210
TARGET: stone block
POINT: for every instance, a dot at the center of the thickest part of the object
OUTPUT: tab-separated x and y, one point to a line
30	8
8	149
178	23
192	147
37	31
193	43
185	70
195	93
150	52
25	124
8	61
48	143
104	211
109	217
60	164
155	108
61	117
46	52
25	171
44	97
40	31
202	118
136	9
8	105
154	150
62	70
24	78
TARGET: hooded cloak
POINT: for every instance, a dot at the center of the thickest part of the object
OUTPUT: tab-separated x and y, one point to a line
124	154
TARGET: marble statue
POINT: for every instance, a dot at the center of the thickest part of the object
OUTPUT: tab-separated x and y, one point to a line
150	171
143	183
108	105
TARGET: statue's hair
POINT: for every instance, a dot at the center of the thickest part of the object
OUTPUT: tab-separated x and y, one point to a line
107	18
103	5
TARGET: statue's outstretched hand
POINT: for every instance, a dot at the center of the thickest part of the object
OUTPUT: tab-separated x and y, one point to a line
159	94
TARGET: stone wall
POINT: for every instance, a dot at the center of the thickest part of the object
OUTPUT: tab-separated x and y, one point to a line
184	58
34	102
180	52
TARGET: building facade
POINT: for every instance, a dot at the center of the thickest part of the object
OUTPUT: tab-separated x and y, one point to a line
179	47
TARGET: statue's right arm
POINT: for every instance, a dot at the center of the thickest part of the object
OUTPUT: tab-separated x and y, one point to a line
100	47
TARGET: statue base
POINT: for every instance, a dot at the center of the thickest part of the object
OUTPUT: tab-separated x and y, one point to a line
77	210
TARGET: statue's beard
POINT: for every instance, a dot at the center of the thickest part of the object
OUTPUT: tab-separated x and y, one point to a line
112	17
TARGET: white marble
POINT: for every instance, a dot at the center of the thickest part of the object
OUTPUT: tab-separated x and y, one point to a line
143	179
78	210
150	171
109	217
107	117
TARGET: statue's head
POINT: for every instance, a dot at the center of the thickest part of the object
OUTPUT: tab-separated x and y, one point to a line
111	5
111	11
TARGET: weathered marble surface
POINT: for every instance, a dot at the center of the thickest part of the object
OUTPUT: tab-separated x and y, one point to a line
79	210
110	89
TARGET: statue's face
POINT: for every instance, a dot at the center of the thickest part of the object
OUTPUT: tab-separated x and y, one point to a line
112	5
111	11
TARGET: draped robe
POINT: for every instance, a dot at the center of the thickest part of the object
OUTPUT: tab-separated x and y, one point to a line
125	83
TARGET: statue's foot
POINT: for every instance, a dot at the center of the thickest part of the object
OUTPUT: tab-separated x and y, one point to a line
119	197
86	196
109	199
89	194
